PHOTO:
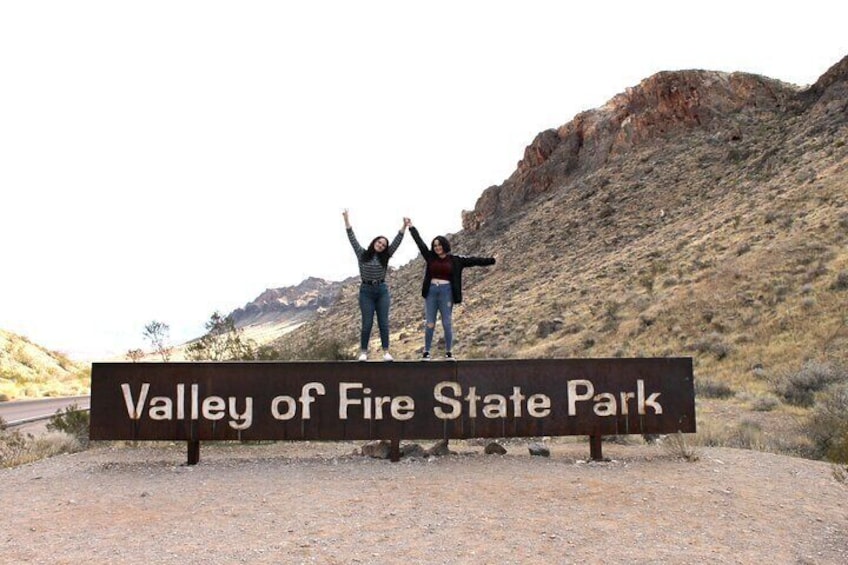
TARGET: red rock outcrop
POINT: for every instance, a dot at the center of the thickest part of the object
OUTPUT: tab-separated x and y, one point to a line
661	105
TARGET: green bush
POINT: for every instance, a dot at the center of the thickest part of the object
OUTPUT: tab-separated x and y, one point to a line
72	421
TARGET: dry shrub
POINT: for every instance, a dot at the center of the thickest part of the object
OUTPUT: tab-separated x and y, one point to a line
677	446
714	344
827	425
765	403
800	388
840	473
707	388
748	434
841	282
18	449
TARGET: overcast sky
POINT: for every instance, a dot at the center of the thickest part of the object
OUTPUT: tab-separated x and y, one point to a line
164	160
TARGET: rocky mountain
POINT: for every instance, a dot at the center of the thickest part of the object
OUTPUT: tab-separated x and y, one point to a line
311	295
698	213
278	311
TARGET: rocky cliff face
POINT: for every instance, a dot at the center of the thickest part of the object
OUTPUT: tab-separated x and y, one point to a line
661	106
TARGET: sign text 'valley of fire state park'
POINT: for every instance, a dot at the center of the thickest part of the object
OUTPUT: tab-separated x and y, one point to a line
400	400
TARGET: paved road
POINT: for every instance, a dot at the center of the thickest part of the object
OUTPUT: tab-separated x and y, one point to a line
18	412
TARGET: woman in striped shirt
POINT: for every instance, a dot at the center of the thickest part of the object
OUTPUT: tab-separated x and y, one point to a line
374	292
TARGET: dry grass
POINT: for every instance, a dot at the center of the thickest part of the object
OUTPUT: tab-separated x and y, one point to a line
17	448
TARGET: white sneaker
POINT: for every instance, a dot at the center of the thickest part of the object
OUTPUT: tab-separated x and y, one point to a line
362	356
388	356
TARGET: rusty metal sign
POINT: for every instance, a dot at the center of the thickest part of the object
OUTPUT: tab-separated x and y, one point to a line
351	400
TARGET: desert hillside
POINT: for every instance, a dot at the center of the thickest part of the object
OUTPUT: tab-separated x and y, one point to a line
698	212
27	370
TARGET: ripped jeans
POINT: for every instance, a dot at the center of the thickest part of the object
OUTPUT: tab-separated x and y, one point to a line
439	299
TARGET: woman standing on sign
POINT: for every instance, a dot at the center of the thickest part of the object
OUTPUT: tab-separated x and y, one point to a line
442	286
374	292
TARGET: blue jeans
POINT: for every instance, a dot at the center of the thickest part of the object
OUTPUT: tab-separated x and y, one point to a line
374	299
439	299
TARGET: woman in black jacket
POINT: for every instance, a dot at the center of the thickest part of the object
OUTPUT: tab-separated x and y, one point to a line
442	286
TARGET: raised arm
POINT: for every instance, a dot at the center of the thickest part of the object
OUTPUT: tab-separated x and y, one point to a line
398	238
418	241
350	235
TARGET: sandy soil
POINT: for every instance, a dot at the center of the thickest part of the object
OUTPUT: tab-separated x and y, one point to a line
323	503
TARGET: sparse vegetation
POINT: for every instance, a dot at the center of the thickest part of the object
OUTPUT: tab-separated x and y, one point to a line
72	421
713	344
800	387
841	282
840	473
223	342
677	446
319	350
30	371
828	424
765	403
710	389
17	448
135	355
158	334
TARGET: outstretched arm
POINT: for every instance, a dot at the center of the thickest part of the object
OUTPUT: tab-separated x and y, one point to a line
476	261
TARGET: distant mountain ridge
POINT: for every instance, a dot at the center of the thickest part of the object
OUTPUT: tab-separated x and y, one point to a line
278	311
275	304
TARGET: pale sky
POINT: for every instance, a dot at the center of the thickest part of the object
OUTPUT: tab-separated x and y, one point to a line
162	160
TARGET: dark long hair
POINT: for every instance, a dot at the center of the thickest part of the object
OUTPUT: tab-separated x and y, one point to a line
383	256
443	241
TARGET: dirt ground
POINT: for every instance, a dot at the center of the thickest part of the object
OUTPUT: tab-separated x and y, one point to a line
312	502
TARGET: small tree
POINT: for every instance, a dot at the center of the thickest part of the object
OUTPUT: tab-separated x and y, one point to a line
222	342
157	334
135	355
